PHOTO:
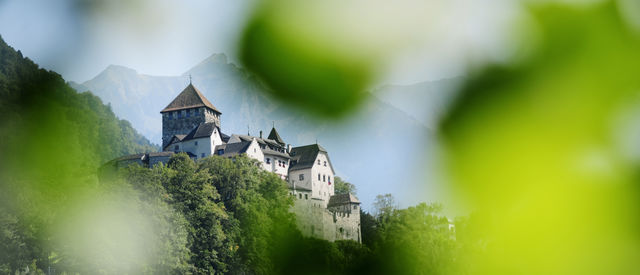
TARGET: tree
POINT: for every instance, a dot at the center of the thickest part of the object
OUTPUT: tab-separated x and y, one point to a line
343	187
369	228
384	205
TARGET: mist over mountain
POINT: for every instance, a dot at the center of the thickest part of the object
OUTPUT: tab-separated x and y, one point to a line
380	148
423	101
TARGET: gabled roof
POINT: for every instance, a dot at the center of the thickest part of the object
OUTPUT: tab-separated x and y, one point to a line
233	149
268	151
174	139
341	199
203	130
261	141
225	138
303	157
273	135
190	97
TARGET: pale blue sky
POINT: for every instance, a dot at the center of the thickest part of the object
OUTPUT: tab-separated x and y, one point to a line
79	38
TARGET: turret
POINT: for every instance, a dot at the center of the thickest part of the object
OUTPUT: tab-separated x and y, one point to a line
188	110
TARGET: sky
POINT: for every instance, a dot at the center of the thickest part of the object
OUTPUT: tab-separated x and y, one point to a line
80	38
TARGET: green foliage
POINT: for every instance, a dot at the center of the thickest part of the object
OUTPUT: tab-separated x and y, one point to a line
343	187
384	206
298	67
536	145
52	141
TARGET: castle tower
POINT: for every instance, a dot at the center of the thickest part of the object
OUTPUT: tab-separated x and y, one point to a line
185	112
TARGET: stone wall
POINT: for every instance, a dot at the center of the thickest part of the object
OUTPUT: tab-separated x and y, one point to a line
316	221
172	125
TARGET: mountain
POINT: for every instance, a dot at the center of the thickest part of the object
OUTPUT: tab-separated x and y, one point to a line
379	147
424	101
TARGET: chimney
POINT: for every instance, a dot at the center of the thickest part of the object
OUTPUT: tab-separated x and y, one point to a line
260	133
288	148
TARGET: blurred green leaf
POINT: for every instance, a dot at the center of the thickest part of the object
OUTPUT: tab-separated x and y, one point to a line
532	145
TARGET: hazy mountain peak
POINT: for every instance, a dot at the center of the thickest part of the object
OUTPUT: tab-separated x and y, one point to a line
217	58
215	63
117	72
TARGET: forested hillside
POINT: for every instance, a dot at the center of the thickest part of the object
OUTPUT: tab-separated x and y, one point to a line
32	100
52	140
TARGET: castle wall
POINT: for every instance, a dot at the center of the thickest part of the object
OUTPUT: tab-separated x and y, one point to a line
314	220
306	182
177	122
321	175
254	151
273	166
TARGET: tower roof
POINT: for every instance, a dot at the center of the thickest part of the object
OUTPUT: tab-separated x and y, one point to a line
273	135
341	199
190	97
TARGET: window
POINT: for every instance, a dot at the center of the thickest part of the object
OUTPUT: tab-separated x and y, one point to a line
268	160
318	162
196	143
179	114
355	207
177	147
329	179
301	177
324	178
318	177
306	197
188	113
325	163
254	150
300	195
220	152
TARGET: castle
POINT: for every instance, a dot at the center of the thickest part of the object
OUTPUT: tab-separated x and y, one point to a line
191	124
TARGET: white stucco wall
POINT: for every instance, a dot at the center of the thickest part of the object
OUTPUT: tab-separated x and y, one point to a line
201	147
321	188
273	166
294	178
254	151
